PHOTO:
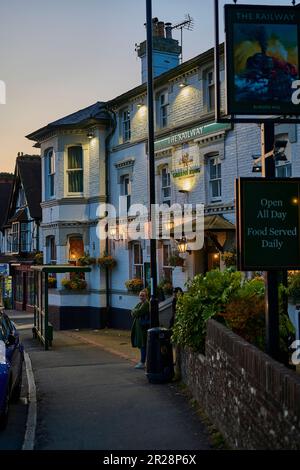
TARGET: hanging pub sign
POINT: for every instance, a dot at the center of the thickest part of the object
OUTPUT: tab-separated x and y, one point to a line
268	224
262	59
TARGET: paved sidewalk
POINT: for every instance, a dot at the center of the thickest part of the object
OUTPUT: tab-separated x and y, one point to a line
92	399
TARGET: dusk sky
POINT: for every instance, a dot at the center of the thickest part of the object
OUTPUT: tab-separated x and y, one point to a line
59	56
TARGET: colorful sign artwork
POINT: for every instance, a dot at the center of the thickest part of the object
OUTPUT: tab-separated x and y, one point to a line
262	59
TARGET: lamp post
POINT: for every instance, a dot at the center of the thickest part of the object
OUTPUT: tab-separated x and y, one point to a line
154	315
271	296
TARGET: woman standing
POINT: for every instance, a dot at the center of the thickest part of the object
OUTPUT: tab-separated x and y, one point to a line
141	323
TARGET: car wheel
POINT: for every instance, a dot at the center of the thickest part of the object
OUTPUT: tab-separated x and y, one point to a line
4	414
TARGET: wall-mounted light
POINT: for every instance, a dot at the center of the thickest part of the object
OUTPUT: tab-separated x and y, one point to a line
183	83
90	135
256	169
140	105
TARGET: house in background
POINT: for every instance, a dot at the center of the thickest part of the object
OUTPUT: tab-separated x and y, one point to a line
21	229
6	184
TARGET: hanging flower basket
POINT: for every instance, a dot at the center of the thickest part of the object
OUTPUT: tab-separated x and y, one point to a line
134	285
107	261
86	260
39	258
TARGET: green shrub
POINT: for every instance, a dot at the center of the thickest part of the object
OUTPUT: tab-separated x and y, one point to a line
206	297
293	290
238	303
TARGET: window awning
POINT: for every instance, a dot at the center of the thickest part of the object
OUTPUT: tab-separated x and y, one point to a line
217	223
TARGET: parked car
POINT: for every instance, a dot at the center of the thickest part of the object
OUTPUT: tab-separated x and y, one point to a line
11	365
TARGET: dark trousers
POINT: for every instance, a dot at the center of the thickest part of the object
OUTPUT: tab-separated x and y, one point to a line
143	354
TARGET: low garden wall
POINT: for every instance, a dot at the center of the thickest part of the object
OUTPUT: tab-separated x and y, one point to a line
252	399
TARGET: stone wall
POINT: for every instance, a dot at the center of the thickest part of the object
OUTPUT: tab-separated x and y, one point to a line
253	400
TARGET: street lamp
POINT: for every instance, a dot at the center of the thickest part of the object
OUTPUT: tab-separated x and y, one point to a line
182	246
154	312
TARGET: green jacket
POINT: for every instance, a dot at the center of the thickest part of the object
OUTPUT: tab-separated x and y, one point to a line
140	325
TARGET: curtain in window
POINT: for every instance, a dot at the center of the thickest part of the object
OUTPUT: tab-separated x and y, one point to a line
75	167
76	181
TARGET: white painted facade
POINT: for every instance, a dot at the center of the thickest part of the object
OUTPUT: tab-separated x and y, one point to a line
185	108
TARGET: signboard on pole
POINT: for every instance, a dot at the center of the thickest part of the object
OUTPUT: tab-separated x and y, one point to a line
268	224
262	60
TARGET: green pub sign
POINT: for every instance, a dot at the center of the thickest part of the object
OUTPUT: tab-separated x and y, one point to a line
268	224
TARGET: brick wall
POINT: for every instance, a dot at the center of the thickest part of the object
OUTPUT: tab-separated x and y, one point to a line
252	399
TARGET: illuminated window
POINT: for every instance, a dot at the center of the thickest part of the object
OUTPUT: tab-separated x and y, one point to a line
76	248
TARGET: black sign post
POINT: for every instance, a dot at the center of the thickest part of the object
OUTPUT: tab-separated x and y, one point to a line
268	216
262	64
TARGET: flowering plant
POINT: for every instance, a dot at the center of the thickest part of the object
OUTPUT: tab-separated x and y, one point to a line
52	282
86	260
76	283
107	261
134	285
39	257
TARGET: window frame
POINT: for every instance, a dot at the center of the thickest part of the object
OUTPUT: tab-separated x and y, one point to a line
22	232
166	267
209	89
15	237
140	265
72	170
217	179
50	173
166	199
51	250
163	109
125	115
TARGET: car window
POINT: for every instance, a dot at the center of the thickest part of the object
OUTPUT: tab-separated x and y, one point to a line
6	327
2	331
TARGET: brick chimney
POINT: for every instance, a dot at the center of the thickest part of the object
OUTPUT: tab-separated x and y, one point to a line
166	50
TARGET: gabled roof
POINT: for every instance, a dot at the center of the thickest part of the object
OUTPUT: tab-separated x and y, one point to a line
31	178
85	117
28	175
6	185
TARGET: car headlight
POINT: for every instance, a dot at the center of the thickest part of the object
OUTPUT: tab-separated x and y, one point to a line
2	352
